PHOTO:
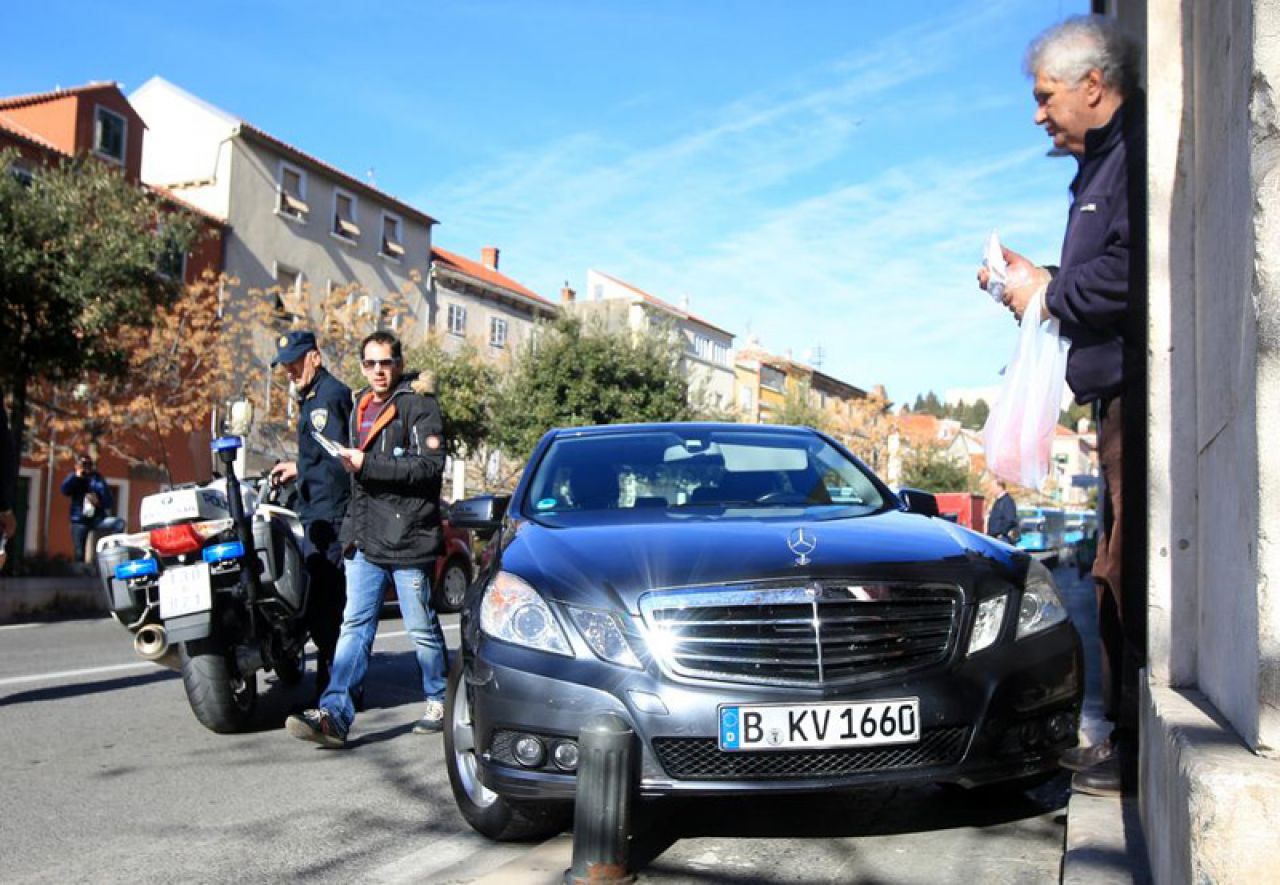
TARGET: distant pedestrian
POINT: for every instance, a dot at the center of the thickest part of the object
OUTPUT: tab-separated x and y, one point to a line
324	408
1003	521
391	536
1088	101
92	505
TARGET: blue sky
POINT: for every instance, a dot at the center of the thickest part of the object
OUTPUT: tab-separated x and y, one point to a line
821	175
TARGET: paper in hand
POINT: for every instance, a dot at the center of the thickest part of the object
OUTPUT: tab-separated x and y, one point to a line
997	270
327	444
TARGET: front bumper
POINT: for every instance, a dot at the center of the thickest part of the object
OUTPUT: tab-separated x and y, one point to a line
1004	713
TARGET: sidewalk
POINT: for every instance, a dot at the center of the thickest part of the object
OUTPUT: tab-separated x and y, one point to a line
40	599
1105	844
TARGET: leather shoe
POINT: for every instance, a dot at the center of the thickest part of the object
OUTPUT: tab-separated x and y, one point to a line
1081	758
1103	779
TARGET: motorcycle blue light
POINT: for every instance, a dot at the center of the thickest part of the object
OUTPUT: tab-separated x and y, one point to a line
219	552
224	443
136	568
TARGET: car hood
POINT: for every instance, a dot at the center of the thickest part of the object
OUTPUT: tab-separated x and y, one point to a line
613	564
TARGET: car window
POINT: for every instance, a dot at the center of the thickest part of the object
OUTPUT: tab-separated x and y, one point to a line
665	470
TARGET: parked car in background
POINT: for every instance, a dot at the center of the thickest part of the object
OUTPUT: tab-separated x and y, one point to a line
453	570
764	613
1043	533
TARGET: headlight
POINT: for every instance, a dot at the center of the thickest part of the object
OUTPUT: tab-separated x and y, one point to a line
1041	607
986	625
514	612
604	635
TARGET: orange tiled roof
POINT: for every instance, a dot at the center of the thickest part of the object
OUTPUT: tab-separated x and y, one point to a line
21	101
485	273
669	308
27	135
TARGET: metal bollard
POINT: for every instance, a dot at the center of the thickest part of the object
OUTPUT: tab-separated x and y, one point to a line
602	814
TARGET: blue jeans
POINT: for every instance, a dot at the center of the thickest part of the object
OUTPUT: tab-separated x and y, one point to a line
108	525
366	588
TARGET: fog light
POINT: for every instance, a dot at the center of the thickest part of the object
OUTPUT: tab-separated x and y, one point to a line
529	751
565	756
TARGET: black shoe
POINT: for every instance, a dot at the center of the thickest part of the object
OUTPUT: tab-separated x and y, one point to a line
317	726
1103	779
1082	758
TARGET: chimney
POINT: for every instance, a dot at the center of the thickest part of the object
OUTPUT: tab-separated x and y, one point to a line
566	294
489	257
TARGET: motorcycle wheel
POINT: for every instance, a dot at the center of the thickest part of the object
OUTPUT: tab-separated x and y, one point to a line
222	700
453	587
488	813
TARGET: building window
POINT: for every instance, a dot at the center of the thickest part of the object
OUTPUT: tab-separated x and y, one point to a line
288	294
292	185
344	216
744	398
773	379
392	241
457	320
22	173
110	134
719	353
702	346
497	332
172	262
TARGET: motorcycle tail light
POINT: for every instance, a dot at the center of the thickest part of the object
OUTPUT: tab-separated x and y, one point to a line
175	540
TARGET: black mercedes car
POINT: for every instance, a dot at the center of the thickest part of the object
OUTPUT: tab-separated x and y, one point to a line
765	613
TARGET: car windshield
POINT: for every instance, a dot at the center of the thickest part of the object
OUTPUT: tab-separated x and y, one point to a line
697	471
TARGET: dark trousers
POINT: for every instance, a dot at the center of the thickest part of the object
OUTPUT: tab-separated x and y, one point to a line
1119	569
327	595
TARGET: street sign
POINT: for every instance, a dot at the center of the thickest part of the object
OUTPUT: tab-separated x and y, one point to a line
1084	481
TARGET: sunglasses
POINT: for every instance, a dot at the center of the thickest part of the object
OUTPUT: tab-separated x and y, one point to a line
379	364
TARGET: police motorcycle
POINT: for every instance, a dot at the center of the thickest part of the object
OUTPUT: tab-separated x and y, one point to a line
214	586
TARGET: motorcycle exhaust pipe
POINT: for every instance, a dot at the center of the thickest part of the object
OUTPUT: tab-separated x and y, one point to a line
151	643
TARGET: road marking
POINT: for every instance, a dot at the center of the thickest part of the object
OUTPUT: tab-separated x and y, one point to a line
139	665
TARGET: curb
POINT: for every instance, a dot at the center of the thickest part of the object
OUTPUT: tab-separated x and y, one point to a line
45	599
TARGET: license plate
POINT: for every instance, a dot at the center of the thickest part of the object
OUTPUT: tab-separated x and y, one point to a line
185	590
805	726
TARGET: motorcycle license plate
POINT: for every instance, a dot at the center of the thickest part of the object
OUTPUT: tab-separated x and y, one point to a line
185	590
808	726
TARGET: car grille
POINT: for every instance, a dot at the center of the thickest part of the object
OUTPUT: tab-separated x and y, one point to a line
702	759
823	634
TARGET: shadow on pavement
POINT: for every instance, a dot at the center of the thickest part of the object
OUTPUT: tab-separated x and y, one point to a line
80	689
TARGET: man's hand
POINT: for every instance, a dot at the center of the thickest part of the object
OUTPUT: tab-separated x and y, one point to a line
8	523
284	472
352	459
1022	280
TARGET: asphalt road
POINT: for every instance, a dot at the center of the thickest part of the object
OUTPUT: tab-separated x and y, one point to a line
108	777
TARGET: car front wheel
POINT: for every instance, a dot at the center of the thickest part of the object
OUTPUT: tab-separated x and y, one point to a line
488	813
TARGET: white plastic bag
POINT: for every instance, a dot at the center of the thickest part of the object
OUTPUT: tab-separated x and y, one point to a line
1018	436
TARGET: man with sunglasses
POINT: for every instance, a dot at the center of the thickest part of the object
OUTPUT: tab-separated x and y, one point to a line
391	535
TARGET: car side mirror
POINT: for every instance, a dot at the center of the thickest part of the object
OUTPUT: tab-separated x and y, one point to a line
482	513
920	502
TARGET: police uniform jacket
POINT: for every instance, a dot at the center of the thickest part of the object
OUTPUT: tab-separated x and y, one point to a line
324	488
394	516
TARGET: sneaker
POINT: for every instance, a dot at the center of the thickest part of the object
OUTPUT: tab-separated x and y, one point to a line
1103	779
1081	758
317	726
432	720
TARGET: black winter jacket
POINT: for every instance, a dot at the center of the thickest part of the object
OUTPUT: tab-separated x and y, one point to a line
1100	292
394	513
323	486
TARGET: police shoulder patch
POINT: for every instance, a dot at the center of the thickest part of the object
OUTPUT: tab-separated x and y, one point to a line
319	418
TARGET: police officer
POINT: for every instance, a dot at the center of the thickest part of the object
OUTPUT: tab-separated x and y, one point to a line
323	486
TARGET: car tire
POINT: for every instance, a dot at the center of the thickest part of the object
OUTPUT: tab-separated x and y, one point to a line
487	812
222	700
452	588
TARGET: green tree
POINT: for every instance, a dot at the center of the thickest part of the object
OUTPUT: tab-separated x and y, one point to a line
932	470
1070	417
465	387
579	374
798	408
79	258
